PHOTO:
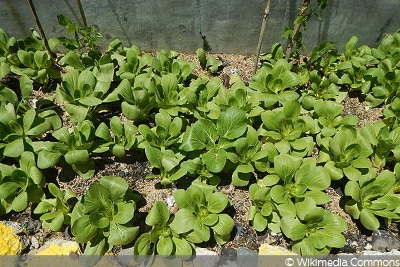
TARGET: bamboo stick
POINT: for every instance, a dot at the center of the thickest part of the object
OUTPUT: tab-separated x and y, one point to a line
82	13
41	31
260	37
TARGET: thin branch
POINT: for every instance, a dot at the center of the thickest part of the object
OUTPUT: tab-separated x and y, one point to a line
296	28
260	37
82	12
41	31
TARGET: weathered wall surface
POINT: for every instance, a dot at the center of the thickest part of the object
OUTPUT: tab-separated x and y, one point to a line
218	25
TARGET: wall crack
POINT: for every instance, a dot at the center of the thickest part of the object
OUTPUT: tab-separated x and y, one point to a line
206	46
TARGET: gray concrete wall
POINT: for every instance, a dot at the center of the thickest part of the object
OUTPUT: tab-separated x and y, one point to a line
221	26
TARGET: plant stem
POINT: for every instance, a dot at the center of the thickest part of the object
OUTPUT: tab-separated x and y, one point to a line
82	13
260	37
41	31
304	6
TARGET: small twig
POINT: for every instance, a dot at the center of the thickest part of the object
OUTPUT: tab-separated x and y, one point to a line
41	31
296	28
260	38
82	13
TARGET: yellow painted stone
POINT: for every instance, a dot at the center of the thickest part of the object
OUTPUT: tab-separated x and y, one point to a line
56	249
9	242
267	249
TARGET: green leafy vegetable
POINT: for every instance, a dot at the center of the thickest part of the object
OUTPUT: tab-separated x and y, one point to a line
103	217
200	214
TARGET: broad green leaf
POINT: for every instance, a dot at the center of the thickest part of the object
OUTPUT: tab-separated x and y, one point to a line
183	222
182	247
210	220
73	60
124	212
26	86
4	70
27	162
199	135
116	185
279	194
201	230
79	113
44	206
15	148
121	235
242	175
86	83
318	240
334	239
76	156
293	229
320	178
117	150
104	73
95	247
334	172
158	215
287	209
232	123
319	197
314	215
90	100
55	223
215	160
271	179
103	132
165	246
98	220
83	230
352	189
352	173
291	109
188	201
170	160
304	206
116	126
351	207
286	166
62	135
132	112
8	188
155	156
97	197
20	202
216	202
143	245
55	191
386	43
40	58
224	226
201	55
369	220
26	58
86	170
259	222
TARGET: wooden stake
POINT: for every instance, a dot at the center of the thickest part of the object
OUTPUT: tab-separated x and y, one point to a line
82	14
260	37
41	31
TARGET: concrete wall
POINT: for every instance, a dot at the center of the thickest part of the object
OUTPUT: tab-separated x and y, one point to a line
218	25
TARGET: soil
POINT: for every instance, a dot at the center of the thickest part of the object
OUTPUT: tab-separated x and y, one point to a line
134	168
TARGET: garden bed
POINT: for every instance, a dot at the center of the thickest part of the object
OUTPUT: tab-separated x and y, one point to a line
172	126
